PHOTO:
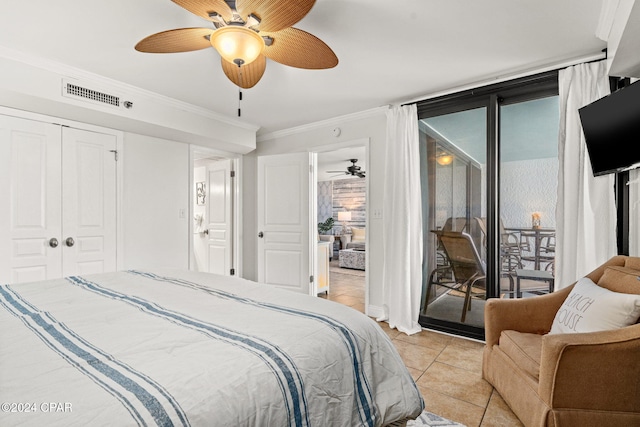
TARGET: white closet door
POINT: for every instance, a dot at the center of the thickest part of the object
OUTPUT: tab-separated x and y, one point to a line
88	202
59	190
30	214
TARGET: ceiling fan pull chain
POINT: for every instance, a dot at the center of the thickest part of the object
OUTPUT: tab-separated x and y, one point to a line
239	90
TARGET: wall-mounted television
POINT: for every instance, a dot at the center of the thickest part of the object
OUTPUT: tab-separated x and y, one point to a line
611	128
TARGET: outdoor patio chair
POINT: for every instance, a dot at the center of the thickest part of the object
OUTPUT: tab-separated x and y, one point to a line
510	246
466	265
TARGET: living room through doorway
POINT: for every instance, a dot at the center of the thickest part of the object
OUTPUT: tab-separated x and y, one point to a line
342	203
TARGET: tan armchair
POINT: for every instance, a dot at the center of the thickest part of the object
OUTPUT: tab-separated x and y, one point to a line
558	380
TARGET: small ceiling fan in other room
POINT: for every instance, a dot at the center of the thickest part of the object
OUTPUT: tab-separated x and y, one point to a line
353	170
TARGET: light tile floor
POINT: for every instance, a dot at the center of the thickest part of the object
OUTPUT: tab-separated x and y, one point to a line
447	369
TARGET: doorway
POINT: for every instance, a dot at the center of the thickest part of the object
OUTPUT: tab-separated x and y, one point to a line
215	211
342	193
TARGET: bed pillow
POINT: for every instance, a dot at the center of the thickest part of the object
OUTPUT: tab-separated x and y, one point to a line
591	308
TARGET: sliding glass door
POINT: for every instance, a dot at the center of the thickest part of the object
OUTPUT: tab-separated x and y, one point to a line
455	163
489	167
528	192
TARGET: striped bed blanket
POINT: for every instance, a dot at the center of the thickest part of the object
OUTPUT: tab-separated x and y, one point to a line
180	348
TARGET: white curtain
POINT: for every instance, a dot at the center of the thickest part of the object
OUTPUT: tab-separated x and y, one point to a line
402	221
586	212
634	212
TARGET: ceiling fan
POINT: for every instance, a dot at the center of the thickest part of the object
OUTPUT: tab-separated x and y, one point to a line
245	33
353	170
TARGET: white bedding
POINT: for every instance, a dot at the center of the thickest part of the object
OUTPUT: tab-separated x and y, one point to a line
185	348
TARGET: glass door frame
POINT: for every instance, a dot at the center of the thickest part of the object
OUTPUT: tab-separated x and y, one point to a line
491	97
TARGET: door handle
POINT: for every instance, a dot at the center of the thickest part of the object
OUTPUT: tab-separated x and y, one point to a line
261	234
53	242
69	242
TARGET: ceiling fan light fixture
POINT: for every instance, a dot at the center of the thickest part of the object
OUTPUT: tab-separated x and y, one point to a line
246	34
237	45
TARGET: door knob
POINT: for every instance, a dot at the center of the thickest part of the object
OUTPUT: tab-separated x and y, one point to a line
53	242
69	242
261	234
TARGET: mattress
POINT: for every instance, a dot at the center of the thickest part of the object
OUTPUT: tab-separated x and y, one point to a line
180	348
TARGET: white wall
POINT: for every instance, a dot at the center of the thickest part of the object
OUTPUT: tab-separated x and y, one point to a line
156	189
372	125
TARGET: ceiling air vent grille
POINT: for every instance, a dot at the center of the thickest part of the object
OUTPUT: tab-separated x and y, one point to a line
93	95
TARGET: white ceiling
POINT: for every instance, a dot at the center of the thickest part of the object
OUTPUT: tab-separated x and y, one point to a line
389	51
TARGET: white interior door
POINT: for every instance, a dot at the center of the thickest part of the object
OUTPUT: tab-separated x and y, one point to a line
219	217
285	221
30	214
88	201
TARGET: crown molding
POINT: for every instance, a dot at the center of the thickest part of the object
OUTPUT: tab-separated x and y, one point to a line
86	76
323	123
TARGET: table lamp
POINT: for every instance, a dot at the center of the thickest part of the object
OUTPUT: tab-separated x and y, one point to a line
343	217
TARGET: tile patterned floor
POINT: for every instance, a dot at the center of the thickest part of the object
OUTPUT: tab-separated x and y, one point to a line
447	369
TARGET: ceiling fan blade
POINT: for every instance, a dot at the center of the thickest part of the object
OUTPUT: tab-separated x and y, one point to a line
297	48
179	40
203	8
338	172
275	15
246	76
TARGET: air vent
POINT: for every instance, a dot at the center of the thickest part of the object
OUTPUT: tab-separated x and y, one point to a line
92	95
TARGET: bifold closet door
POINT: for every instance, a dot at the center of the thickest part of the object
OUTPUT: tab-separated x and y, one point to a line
58	187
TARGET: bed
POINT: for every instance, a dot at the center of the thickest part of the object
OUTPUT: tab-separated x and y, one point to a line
179	348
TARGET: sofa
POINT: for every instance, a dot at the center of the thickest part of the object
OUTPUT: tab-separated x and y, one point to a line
358	239
567	379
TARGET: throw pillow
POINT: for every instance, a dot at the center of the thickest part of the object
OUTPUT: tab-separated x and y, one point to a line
632	262
590	308
358	233
620	279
